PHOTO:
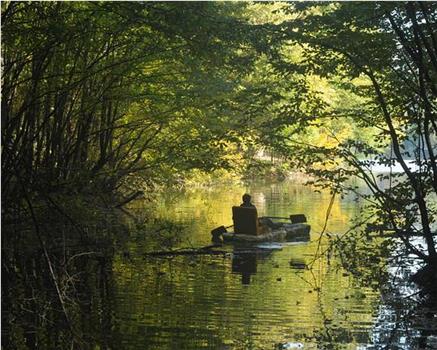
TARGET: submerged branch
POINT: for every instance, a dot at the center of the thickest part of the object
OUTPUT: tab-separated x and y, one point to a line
207	250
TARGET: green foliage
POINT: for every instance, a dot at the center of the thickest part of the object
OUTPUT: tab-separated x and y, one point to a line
107	96
96	93
369	71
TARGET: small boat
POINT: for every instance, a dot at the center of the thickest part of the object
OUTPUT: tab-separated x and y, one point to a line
249	228
287	232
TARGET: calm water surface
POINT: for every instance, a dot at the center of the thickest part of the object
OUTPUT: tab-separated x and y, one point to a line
252	297
249	297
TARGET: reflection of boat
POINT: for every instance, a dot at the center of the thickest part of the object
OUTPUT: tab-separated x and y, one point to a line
288	232
297	264
245	261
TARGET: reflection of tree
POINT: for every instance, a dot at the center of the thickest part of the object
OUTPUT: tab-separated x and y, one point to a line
337	322
330	336
32	316
406	319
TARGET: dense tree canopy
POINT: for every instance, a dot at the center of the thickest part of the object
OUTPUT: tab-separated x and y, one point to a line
93	92
385	54
109	96
102	101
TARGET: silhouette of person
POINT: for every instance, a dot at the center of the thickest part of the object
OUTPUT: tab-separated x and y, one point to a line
263	221
247	201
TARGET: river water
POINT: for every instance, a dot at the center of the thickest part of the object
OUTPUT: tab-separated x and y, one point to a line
252	298
270	296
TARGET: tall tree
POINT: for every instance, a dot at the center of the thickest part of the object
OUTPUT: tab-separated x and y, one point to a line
93	92
386	53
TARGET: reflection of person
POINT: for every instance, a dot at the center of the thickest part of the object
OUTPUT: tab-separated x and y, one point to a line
244	263
247	201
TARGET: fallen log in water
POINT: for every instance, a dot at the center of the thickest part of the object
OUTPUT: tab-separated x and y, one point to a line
208	250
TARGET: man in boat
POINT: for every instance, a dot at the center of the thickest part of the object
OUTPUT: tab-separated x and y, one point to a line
217	232
263	221
247	201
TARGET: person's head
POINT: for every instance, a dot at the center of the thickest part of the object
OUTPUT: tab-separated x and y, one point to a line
246	198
